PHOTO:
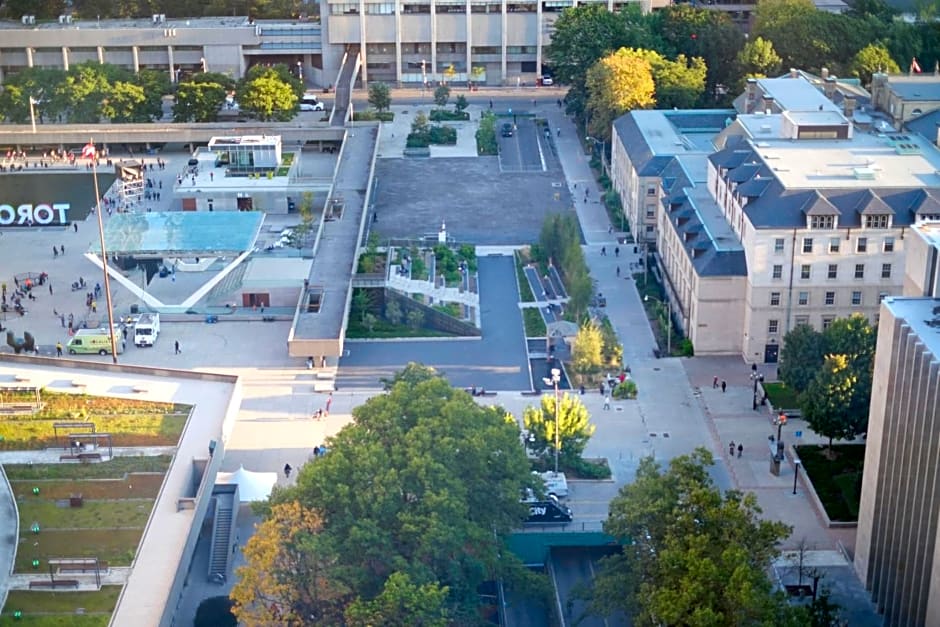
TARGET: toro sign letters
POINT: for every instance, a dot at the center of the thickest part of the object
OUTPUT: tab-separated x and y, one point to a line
42	214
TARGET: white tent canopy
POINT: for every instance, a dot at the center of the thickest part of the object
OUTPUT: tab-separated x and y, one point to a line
252	486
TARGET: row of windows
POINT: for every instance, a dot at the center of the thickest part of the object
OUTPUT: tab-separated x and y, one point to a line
773	326
832	271
828	223
829	299
834	244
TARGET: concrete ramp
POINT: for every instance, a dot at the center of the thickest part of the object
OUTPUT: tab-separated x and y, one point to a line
342	109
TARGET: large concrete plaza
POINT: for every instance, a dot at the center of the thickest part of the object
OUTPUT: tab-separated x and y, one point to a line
677	409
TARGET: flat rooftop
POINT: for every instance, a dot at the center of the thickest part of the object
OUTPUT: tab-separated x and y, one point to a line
919	314
832	164
188	22
181	232
915	88
796	95
671	132
930	231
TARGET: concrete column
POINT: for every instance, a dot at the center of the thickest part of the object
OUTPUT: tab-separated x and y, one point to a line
101	55
1	67
135	51
362	45
398	60
504	42
172	63
65	58
29	57
469	39
433	38
538	39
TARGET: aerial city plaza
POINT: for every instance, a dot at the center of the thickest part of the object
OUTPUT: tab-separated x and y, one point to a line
458	314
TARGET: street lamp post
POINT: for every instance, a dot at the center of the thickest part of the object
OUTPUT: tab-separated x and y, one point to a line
781	420
757	378
554	380
668	322
796	472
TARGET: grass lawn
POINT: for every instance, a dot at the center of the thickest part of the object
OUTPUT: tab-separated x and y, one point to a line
55	620
534	323
525	290
117	468
91	515
837	482
384	329
103	600
780	396
115	546
155	429
141	486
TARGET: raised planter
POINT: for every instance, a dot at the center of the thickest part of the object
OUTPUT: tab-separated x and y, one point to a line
807	484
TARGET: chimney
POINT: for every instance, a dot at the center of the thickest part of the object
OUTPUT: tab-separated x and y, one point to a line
824	73
794	73
768	104
751	95
848	104
829	87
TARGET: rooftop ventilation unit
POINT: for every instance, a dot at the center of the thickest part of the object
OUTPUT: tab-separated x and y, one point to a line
28	20
864	174
65	19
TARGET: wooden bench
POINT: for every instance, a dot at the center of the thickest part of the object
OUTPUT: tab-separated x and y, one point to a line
79	385
79	568
53	585
137	389
89	457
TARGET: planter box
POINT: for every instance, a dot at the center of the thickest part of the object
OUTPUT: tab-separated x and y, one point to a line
807	484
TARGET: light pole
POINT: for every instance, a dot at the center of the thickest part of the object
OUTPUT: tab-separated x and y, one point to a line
781	420
756	378
554	381
205	67
796	472
603	144
32	111
668	322
300	71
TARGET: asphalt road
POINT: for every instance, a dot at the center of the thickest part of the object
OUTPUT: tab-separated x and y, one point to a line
522	152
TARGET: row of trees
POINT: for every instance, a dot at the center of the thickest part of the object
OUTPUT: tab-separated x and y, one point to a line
103	9
560	245
832	373
595	50
91	92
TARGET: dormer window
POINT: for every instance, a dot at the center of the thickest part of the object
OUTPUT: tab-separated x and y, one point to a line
822	222
878	221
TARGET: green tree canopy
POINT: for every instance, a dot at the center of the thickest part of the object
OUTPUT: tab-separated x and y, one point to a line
574	427
680	83
380	97
269	97
757	59
402	602
831	402
801	357
442	95
198	101
423	482
618	83
870	59
692	555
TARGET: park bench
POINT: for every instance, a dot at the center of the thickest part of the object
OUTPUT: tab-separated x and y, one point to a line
327	385
82	568
18	408
137	389
53	585
79	384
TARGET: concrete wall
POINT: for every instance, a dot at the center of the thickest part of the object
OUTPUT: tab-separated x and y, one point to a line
717	315
922	267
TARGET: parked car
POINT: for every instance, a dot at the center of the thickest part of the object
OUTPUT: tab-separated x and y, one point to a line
547	80
547	510
507	130
310	103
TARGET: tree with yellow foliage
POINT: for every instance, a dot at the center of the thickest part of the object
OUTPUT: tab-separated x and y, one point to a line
620	82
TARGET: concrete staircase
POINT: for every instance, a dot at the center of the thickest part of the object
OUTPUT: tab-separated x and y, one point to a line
219	553
448	294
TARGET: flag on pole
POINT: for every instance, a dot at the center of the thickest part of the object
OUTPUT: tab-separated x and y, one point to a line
915	66
88	151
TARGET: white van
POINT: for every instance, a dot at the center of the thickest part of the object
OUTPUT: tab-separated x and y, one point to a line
310	103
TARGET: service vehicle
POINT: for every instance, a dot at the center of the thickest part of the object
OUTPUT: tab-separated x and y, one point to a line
547	510
147	329
310	103
89	341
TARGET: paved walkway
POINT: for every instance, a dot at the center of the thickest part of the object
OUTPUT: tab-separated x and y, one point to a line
52	455
116	576
10	523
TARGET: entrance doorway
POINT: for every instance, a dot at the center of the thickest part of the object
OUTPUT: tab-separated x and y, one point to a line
245	204
256	300
771	352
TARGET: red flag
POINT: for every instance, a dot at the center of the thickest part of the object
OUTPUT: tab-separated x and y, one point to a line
89	151
915	66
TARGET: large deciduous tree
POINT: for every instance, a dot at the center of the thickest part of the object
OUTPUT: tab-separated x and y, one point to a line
423	483
680	84
574	427
870	59
587	349
618	83
692	555
832	403
757	59
268	98
198	101
402	602
379	96
801	357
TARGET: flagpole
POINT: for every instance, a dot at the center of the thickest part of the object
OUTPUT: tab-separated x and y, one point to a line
104	256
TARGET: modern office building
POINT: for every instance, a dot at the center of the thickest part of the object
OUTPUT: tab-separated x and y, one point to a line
796	215
896	543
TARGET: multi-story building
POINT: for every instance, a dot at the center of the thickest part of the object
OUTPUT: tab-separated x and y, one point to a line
796	217
896	542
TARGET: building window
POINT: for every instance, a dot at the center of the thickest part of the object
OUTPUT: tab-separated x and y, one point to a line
807	245
822	222
775	299
861	246
882	296
801	320
860	271
834	244
830	298
833	270
778	245
886	271
856	298
650	190
804	271
778	271
803	298
650	211
649	228
889	245
772	326
877	221
827	322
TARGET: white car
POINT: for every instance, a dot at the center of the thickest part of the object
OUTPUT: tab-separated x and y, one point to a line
556	484
311	104
548	81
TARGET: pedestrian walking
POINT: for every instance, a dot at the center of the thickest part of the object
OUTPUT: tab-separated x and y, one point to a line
714	382
124	332
50	289
94	306
617	251
740	450
316	451
62	249
731	448
55	252
618	272
287	470
62	320
176	347
724	385
58	349
603	251
329	401
607	402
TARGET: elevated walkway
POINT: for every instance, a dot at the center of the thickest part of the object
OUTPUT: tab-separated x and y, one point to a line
342	104
320	320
